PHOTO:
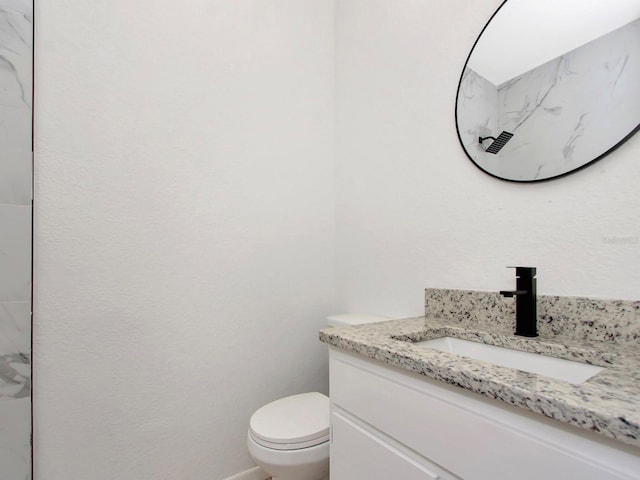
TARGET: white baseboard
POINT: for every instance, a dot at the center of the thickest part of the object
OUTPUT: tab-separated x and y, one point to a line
254	473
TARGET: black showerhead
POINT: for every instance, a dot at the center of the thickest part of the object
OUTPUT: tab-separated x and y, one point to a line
497	143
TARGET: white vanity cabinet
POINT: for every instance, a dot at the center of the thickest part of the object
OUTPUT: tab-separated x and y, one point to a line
388	423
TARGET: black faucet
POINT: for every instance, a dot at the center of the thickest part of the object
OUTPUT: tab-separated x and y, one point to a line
525	293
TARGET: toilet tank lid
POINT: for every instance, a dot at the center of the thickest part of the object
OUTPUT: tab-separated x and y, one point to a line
345	319
293	420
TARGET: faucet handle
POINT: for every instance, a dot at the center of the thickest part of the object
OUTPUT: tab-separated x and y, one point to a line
512	293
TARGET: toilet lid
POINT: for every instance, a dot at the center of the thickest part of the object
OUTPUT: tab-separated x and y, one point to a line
298	421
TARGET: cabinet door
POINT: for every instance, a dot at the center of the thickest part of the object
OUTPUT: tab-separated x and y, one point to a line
472	437
357	453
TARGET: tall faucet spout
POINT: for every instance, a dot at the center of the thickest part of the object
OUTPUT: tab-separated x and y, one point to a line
526	301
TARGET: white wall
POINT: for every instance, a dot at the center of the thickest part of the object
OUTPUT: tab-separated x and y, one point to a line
184	229
414	212
184	216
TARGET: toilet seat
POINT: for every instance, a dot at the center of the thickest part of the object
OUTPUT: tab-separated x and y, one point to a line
292	423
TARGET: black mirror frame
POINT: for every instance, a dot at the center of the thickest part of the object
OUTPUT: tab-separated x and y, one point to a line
600	157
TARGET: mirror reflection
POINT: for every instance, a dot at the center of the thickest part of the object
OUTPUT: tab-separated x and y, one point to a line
550	86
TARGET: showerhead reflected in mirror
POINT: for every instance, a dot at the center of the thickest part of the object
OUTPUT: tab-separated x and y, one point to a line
559	79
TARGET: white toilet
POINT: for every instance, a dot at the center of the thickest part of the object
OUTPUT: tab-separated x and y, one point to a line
289	438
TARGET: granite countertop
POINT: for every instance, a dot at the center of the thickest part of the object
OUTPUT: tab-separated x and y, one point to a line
608	403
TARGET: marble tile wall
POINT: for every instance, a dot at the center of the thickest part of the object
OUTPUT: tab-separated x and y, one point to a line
478	99
552	135
16	27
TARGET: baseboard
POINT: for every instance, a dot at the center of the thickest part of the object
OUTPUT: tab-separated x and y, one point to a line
254	473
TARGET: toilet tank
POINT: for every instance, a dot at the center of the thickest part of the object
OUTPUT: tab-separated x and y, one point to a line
346	319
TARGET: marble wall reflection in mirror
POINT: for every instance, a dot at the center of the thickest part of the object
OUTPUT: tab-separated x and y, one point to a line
16	60
561	76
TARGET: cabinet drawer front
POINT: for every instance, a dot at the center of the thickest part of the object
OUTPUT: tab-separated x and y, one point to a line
471	438
358	454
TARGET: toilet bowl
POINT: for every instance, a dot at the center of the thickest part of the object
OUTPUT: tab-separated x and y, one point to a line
311	463
289	438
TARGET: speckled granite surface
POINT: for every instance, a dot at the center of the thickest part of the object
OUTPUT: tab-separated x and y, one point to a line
577	318
600	332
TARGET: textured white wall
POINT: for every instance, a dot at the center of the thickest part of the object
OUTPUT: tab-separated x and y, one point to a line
414	212
184	217
184	229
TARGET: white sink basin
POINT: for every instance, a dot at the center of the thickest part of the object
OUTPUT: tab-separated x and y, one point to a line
558	368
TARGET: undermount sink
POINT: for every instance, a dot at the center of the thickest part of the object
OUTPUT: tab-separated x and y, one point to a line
558	368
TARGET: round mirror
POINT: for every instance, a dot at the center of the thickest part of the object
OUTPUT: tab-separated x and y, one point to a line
550	86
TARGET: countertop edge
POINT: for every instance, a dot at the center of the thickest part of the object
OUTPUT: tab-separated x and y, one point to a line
376	342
